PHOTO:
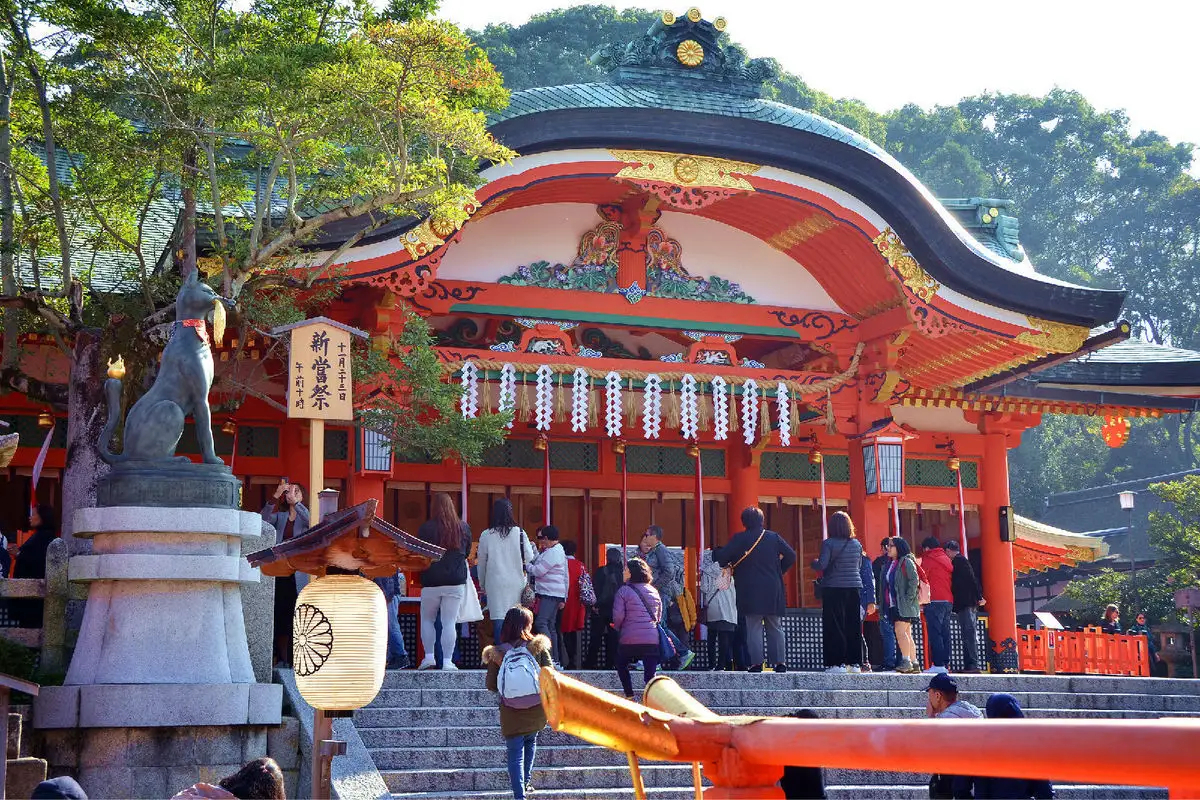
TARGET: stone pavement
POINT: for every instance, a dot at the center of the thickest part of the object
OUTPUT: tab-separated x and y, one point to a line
436	734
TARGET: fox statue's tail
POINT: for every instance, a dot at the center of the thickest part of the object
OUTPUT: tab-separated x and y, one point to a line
112	395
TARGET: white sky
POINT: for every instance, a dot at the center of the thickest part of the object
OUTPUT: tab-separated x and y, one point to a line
1140	57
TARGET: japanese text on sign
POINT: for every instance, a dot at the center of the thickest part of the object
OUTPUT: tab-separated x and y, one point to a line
320	383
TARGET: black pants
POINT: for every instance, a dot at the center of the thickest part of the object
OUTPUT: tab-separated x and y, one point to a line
627	654
720	649
600	630
841	627
741	653
874	642
571	649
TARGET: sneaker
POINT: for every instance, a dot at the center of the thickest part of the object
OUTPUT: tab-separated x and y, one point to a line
780	668
529	787
973	671
907	667
854	669
686	659
755	668
935	671
449	666
835	670
427	663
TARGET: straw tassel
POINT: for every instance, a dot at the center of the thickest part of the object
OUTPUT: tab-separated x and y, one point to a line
673	407
703	409
593	405
487	396
523	401
632	404
764	418
735	403
560	402
830	422
794	415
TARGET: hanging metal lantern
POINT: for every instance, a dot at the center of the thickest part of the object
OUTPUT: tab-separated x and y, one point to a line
883	458
540	443
340	642
953	464
229	427
45	420
815	456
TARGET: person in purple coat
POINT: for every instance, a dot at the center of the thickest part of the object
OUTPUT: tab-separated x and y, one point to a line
637	610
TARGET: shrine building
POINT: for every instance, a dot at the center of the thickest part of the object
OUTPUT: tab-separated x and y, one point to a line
686	292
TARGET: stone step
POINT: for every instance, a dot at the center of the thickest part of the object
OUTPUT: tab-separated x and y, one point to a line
428	718
911	792
821	698
607	679
546	779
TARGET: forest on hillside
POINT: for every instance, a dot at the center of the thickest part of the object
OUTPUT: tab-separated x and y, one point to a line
1098	206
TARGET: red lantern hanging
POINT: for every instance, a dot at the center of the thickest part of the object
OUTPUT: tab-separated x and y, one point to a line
1115	431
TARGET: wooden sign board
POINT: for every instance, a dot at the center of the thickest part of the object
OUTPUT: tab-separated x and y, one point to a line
319	381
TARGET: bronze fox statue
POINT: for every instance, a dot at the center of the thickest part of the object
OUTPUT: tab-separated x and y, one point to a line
155	423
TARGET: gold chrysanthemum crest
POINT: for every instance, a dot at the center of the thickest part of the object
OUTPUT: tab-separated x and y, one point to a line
690	53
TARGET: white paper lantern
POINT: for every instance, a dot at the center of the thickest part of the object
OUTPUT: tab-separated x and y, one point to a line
339	642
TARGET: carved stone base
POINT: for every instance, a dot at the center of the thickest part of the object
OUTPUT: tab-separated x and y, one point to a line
171	484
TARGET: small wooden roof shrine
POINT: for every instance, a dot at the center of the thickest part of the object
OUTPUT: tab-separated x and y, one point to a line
352	539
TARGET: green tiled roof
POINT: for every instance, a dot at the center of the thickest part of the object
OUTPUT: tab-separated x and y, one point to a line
609	95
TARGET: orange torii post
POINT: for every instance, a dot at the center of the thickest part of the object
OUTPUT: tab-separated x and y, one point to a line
744	757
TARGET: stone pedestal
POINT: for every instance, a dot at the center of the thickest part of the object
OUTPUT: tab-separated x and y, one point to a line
162	646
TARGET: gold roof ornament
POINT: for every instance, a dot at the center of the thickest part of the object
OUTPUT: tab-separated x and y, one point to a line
690	53
694	14
668	18
720	24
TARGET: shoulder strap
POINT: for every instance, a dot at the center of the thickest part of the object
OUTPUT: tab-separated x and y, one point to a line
645	604
746	554
833	560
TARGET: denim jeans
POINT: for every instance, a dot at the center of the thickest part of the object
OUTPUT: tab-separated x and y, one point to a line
395	649
937	620
521	750
545	621
970	638
887	632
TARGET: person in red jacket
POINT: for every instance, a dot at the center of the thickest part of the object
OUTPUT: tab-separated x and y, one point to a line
574	613
938	569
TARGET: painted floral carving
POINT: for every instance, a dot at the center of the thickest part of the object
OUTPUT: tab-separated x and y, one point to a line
595	270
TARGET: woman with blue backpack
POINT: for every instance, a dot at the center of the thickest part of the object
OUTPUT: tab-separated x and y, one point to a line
514	665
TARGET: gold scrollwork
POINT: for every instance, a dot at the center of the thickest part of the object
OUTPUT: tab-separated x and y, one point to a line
912	275
421	240
1053	337
685	170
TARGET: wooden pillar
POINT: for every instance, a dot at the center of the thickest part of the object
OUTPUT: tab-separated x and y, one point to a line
998	587
742	466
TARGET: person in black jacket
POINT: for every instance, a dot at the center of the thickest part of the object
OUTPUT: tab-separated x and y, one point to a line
444	584
887	633
968	598
759	558
31	562
1003	706
803	783
607	581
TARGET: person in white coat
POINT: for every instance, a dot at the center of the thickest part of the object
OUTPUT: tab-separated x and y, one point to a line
504	550
549	572
718	603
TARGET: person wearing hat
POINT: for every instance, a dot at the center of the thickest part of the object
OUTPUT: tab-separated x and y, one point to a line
942	700
968	599
62	787
942	703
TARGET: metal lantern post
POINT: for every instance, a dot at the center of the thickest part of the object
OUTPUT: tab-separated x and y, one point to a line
1126	499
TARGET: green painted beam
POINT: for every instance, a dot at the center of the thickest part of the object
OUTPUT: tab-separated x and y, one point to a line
626	320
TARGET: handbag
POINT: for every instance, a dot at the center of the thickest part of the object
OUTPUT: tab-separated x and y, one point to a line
587	590
528	598
819	583
666	641
924	590
470	610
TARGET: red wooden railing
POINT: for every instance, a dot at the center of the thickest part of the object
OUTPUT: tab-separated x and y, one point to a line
1086	652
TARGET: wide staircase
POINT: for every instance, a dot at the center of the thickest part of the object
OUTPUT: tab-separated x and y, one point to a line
436	734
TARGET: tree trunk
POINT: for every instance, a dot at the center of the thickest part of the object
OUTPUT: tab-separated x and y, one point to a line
86	413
